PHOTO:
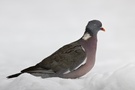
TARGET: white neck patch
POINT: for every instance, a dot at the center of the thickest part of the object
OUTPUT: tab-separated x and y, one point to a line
86	36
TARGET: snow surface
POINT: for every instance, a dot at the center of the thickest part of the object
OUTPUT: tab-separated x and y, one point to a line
121	79
30	30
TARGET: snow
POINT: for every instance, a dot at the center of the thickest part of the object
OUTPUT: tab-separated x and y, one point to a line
121	79
33	29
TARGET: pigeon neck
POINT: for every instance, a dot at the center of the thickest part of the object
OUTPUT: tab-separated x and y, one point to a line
90	43
88	36
91	32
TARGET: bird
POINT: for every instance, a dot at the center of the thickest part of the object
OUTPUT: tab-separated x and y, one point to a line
72	60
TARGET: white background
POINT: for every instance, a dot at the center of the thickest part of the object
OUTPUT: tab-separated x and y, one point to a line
31	30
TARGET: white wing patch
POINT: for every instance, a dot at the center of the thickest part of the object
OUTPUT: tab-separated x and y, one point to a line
81	64
83	48
77	66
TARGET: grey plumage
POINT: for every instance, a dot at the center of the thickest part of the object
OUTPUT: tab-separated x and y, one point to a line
69	57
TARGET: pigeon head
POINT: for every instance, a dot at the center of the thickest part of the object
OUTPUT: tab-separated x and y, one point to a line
93	27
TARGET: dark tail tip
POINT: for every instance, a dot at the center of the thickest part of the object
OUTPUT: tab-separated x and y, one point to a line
14	75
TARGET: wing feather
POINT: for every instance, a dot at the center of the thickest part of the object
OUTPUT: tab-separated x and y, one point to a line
66	58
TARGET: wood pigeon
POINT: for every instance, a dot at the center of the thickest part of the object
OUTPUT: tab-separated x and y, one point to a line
72	60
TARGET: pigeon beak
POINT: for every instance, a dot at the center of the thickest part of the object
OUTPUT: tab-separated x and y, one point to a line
102	29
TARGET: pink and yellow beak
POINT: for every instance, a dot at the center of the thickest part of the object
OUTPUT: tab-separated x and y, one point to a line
102	29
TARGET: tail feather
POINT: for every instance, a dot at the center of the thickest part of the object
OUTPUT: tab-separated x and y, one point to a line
14	75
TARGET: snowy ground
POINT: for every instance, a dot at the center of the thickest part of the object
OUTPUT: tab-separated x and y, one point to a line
30	30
